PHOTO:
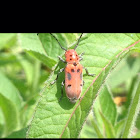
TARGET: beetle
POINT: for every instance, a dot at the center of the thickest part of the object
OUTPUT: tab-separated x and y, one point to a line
73	73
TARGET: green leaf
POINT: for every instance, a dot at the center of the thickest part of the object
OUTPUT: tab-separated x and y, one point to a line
42	46
10	114
137	135
27	112
133	112
88	132
7	59
31	43
90	128
138	122
127	68
106	106
7	39
28	68
94	124
9	91
48	42
13	102
130	96
119	127
32	71
109	129
18	134
48	61
53	119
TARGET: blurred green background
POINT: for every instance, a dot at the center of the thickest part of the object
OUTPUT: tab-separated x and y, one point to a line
22	77
121	86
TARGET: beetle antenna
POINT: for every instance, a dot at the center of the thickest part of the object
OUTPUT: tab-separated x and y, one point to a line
58	42
78	41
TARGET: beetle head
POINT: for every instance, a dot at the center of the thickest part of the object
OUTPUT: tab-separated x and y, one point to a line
71	56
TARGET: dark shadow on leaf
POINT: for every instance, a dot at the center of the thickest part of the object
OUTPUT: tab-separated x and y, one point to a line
130	61
64	102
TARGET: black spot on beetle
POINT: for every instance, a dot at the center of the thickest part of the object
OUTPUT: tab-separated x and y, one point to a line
69	86
70	59
78	70
74	64
69	76
72	70
81	85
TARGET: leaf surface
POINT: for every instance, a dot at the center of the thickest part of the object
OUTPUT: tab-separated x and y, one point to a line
53	119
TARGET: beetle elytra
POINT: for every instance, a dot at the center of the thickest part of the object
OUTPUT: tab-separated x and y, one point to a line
73	72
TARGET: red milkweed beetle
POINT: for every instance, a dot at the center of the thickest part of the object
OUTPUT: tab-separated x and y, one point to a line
73	73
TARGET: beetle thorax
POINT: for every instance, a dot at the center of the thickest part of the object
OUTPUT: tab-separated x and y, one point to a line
71	56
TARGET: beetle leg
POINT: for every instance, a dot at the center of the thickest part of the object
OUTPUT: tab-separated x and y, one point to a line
62	85
80	59
60	58
88	72
61	70
81	54
83	82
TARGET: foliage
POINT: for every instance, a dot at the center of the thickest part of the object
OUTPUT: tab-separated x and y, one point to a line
29	105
